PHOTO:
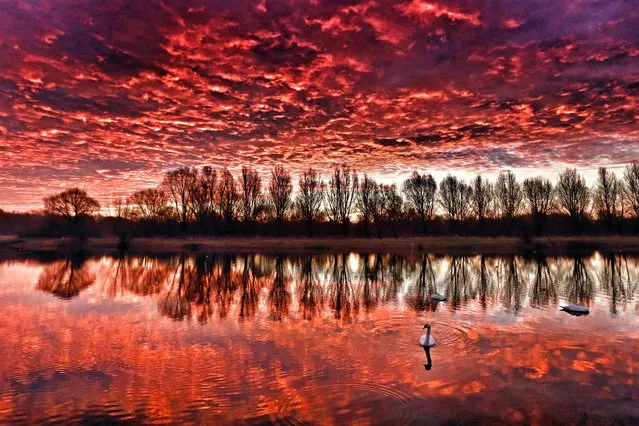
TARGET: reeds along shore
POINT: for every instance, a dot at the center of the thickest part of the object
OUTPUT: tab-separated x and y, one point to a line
212	202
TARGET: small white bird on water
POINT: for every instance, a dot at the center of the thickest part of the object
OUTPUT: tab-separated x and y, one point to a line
438	297
576	309
427	340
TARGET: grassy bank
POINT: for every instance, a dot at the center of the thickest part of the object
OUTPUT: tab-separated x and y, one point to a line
11	246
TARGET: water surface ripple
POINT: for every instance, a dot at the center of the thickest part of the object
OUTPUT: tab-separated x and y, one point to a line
321	339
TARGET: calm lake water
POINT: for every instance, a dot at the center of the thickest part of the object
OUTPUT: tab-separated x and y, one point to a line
327	339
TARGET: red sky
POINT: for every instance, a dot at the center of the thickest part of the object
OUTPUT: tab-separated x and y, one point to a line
107	95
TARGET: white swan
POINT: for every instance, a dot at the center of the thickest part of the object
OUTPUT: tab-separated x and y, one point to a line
576	309
438	297
427	340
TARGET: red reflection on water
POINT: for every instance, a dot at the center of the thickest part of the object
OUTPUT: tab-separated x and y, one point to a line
321	340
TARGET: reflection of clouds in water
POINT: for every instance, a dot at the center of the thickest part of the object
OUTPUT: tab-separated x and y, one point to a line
308	366
502	317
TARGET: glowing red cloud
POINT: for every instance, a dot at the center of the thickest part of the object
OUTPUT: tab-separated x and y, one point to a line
108	96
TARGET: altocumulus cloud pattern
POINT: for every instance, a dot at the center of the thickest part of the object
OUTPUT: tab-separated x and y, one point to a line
107	95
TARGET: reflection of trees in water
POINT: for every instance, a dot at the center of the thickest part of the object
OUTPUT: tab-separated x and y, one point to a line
310	291
544	288
225	286
425	285
615	278
630	266
279	296
484	281
197	285
204	286
174	304
458	283
200	283
340	291
512	285
262	267
371	289
382	279
395	277
139	275
66	278
579	285
249	296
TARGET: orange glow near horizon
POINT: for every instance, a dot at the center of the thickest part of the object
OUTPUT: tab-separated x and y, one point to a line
109	96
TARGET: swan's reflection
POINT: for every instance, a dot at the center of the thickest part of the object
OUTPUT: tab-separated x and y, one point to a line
429	363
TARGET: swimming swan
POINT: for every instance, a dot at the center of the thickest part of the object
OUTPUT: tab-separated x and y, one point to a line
438	297
576	309
427	340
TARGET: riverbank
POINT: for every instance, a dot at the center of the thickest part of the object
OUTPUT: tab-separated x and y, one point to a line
12	246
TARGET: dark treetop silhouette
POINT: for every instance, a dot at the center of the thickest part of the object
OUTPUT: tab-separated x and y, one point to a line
212	202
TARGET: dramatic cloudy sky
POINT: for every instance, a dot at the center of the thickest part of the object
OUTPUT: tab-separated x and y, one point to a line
109	94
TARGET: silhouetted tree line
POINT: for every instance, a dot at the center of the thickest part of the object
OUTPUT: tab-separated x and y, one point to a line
207	201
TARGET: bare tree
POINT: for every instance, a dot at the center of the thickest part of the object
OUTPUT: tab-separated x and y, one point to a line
149	204
539	196
178	185
310	197
623	198
387	207
227	196
203	195
252	202
342	190
280	190
573	194
208	178
606	196
483	193
508	195
455	198
420	191
71	204
394	211
119	207
631	187
379	204
366	201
